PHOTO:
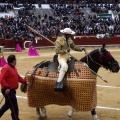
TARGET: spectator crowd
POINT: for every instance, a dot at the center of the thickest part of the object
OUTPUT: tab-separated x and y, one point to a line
64	15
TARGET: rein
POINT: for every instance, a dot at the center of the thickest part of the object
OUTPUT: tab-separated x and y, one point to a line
91	69
88	55
2	99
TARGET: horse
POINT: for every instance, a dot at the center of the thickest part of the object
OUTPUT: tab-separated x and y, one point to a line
94	60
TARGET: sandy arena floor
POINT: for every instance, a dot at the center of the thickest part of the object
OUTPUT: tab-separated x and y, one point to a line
108	93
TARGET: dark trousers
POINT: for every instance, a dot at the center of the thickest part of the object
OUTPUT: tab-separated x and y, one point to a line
10	103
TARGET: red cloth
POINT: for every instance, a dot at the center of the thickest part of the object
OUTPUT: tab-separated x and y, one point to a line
18	48
2	62
9	77
32	51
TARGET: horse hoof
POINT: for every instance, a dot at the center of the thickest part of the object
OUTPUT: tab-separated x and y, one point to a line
42	118
69	118
96	119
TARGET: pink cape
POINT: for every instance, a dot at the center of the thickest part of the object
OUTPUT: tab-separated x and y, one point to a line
2	62
32	51
18	48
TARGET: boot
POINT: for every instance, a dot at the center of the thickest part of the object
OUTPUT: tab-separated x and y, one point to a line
60	85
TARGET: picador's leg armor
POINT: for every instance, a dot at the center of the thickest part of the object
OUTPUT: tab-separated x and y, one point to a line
60	85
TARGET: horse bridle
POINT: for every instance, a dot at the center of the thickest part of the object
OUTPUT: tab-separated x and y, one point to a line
88	55
101	53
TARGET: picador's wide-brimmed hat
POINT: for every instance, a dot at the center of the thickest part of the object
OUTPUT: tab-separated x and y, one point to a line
67	31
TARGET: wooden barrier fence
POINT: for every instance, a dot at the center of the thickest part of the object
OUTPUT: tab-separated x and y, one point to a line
91	41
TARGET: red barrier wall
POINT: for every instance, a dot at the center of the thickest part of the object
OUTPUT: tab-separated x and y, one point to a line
77	41
83	41
96	41
11	43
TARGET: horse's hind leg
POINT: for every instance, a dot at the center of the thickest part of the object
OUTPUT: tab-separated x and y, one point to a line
38	113
41	116
94	114
70	113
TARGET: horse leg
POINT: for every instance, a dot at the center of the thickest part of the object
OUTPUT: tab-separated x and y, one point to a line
70	113
94	114
40	117
43	112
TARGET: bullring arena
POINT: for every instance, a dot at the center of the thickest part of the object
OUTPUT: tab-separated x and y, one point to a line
108	96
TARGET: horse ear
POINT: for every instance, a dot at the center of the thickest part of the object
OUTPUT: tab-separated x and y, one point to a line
103	46
103	50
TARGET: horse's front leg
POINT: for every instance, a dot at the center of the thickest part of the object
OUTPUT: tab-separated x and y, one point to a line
94	114
70	113
43	115
43	112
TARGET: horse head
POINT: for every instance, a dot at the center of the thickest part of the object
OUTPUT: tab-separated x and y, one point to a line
107	60
101	58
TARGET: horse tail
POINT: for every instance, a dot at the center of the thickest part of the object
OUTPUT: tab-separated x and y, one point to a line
23	87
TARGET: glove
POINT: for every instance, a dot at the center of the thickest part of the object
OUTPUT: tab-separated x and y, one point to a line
68	49
82	48
7	91
28	83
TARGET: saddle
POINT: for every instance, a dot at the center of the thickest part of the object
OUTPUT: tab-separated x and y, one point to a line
53	65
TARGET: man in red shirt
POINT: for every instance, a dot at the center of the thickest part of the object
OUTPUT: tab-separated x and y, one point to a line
9	80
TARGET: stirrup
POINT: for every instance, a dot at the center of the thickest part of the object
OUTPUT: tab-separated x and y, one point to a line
60	86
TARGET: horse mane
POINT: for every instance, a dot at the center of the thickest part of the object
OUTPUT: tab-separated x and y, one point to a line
87	59
90	54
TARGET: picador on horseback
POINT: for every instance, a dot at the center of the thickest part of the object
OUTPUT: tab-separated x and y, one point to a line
81	93
62	48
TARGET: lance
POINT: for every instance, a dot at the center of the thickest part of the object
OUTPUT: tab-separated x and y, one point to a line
67	53
2	99
40	34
